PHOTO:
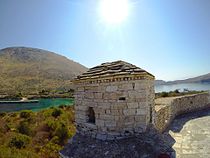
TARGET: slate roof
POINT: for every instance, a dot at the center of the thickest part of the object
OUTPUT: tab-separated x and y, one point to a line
111	69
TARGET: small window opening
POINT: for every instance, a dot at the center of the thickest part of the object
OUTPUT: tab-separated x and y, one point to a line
150	120
133	84
122	98
91	115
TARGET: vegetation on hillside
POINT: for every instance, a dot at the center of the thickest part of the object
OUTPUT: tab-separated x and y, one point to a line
33	71
176	93
28	134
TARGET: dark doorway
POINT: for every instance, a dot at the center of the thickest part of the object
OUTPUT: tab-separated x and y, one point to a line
91	115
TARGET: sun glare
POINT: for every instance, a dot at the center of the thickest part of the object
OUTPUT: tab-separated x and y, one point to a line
114	11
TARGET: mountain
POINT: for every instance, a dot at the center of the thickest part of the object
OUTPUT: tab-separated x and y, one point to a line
200	79
30	70
159	82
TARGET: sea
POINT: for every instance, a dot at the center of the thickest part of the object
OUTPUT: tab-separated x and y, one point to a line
182	87
42	104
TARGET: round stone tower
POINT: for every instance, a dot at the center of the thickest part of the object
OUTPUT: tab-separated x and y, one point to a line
114	100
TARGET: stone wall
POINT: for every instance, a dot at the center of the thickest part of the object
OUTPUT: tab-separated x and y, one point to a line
166	109
121	108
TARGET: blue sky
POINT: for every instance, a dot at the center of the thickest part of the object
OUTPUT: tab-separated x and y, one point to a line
170	39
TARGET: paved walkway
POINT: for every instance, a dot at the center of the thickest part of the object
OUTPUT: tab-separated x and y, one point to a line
191	133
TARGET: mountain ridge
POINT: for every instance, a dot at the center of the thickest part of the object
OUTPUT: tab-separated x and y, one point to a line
199	79
29	70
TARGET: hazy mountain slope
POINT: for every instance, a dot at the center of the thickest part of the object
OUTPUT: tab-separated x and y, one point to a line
31	70
199	79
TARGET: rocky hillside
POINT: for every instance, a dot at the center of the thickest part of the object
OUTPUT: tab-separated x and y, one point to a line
30	70
200	79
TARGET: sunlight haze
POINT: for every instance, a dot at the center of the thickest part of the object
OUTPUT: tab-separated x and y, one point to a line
170	39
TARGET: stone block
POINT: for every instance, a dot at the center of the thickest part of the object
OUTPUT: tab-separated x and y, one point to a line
100	122
111	96
133	105
115	112
118	118
110	123
139	129
98	95
91	88
126	87
118	106
80	116
106	117
101	136
91	126
90	104
128	112
140	118
89	95
81	108
110	137
129	119
111	88
107	111
80	89
141	111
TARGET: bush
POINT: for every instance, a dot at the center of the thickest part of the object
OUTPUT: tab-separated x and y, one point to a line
13	114
62	106
7	152
56	112
52	124
2	114
24	128
176	91
50	149
19	141
26	114
164	94
62	133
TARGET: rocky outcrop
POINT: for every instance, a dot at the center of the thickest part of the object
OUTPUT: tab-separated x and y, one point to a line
148	145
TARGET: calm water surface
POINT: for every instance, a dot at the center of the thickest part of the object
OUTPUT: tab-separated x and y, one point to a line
55	102
181	87
42	104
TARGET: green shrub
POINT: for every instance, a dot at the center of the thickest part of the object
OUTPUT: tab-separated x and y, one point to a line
62	133
26	114
19	141
56	112
176	91
164	94
24	128
52	124
55	140
8	126
50	149
18	95
6	152
2	114
14	114
62	106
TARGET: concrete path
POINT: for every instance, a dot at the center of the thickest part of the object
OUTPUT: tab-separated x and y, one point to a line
191	133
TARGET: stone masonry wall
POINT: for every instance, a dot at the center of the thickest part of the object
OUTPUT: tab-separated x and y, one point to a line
166	109
121	108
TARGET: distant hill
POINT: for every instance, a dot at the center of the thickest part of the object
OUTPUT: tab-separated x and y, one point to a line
30	70
200	79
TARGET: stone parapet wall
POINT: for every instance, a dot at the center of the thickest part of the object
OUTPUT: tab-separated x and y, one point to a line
166	109
121	108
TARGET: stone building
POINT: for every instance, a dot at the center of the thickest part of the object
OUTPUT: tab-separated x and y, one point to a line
114	100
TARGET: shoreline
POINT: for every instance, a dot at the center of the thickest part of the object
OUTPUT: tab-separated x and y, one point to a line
13	98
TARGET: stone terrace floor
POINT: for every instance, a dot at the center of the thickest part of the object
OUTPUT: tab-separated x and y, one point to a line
191	133
187	137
